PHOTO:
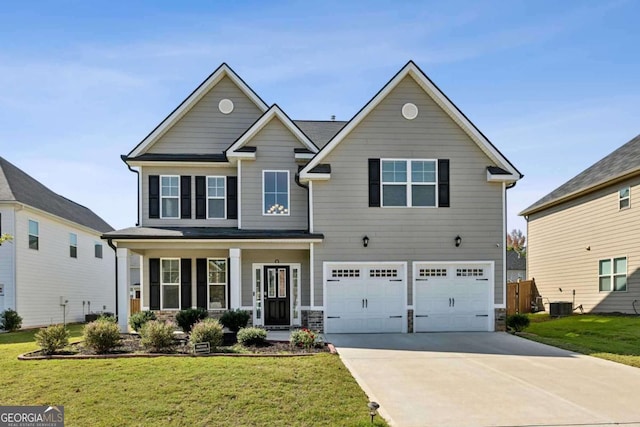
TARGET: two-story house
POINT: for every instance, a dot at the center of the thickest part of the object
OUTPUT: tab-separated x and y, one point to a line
391	222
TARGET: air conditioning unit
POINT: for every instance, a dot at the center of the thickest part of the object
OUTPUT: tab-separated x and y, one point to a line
560	308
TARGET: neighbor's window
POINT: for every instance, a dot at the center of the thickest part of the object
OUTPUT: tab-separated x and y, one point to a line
98	250
34	234
216	197
275	185
613	274
623	197
170	196
217	284
170	283
73	245
408	183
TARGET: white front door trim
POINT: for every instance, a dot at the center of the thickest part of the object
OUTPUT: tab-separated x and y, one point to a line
257	273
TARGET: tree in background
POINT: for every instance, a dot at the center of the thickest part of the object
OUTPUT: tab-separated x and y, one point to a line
516	241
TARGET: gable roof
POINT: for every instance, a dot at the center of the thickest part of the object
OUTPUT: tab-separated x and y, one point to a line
515	261
618	165
191	100
17	186
411	69
320	131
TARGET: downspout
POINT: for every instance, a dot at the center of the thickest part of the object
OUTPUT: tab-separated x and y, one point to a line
124	159
306	187
115	251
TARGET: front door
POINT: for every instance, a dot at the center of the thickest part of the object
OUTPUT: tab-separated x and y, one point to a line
276	295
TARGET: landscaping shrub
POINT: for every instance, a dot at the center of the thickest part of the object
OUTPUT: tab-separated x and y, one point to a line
235	320
102	335
252	336
305	338
518	322
208	330
52	338
157	336
187	318
137	320
108	317
10	320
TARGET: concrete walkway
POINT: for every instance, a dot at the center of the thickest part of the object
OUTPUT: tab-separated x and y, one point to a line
487	379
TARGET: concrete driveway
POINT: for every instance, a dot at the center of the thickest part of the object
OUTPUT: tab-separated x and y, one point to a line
487	379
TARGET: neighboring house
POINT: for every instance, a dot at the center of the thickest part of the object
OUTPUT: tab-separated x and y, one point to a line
391	222
516	266
583	236
56	268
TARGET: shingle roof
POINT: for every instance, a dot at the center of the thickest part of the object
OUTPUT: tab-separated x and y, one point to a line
319	131
621	162
207	233
17	186
515	261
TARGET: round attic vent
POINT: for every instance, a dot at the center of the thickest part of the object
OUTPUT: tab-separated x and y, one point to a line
225	106
409	111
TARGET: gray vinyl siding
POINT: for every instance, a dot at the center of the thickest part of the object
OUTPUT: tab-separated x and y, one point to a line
188	171
340	205
557	255
275	152
204	129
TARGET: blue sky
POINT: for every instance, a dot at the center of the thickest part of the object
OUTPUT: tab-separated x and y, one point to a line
555	85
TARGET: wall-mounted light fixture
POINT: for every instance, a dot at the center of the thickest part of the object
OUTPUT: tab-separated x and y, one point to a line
365	241
588	248
458	241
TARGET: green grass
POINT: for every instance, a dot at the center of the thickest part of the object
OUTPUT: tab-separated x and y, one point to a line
611	337
183	391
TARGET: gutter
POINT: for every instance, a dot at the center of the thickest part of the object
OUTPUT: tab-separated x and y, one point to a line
124	159
115	251
306	187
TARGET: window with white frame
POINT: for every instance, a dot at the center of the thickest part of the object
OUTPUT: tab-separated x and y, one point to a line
624	197
612	274
170	283
73	245
275	190
170	196
34	234
216	192
410	183
98	250
217	281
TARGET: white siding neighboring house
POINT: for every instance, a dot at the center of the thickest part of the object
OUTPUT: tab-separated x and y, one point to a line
56	268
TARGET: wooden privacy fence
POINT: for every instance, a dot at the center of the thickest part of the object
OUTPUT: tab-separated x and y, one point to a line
134	305
522	297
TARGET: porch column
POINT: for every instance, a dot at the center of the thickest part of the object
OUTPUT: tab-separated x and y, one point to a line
122	258
234	271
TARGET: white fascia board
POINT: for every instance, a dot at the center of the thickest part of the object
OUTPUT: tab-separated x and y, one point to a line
241	155
308	176
304	156
192	100
237	241
140	163
501	177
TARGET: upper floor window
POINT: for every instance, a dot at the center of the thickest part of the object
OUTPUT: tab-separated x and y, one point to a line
73	245
624	197
170	283
612	274
275	186
409	182
97	250
216	197
34	234
170	196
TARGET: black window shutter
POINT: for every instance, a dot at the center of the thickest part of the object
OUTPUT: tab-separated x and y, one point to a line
443	183
228	283
201	197
201	283
374	183
185	197
154	196
185	282
232	197
154	283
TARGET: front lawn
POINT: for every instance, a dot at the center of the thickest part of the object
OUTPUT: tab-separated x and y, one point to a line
610	337
211	391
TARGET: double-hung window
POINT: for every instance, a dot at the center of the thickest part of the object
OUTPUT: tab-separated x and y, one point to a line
624	198
217	283
216	206
73	245
97	250
612	274
170	196
170	283
34	234
275	191
410	183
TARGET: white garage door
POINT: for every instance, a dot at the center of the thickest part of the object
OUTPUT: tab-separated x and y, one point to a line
365	297
453	297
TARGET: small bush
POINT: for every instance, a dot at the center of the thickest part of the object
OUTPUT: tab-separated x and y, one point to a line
305	338
518	322
102	335
252	336
108	317
235	320
157	336
10	320
137	320
52	338
187	318
208	330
